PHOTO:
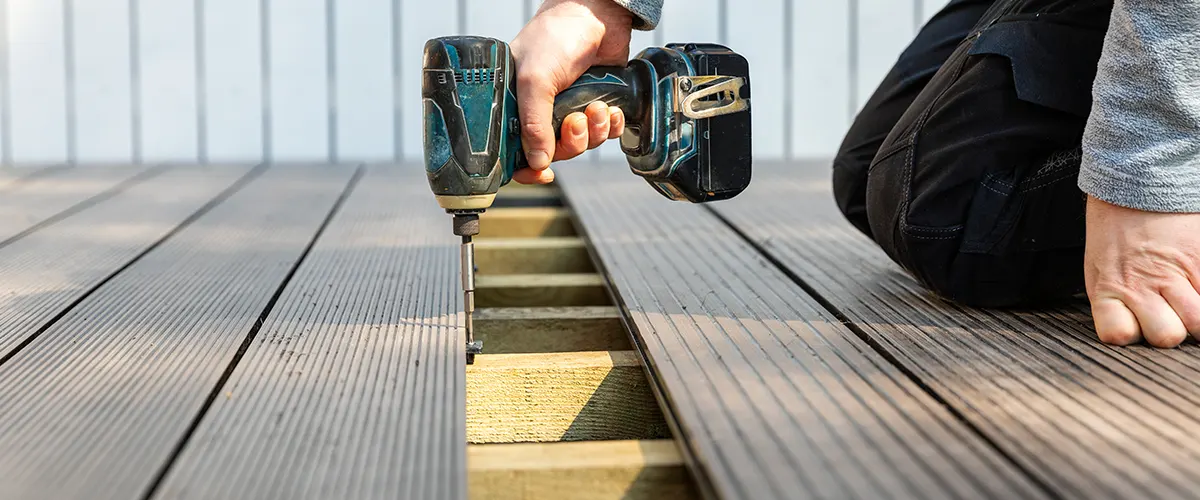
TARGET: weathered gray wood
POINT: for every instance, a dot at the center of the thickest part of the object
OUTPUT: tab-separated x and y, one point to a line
354	386
11	178
97	404
47	271
770	394
38	201
1087	419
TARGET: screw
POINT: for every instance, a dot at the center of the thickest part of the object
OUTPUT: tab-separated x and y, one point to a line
685	84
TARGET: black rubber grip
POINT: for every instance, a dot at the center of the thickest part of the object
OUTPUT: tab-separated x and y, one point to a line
614	85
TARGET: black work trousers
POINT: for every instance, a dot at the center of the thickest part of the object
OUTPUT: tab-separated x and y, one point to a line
963	164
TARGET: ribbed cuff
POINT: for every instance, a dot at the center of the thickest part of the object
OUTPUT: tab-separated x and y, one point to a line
645	12
1171	189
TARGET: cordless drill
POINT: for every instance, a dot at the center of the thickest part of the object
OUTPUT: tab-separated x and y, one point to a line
687	127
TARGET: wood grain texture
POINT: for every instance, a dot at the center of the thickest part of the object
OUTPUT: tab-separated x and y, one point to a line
516	398
47	271
96	406
526	222
1086	419
540	290
772	396
40	201
552	255
354	386
505	330
589	470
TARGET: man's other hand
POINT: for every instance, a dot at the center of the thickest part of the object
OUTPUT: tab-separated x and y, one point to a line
1142	271
564	39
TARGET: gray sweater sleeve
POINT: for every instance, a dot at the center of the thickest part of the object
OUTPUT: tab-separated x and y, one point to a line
645	12
1141	146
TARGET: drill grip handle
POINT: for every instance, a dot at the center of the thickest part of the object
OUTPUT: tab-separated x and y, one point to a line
613	85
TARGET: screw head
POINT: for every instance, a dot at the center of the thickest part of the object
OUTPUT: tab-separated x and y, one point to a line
685	84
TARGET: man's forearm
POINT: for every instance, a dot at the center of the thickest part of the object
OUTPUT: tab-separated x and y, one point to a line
1141	147
645	12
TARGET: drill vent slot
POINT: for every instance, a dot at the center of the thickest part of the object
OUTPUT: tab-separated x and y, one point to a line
475	76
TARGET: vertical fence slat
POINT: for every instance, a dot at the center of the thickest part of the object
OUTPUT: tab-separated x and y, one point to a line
5	88
820	80
233	95
168	79
38	81
500	19
298	93
364	79
756	30
885	28
102	80
418	27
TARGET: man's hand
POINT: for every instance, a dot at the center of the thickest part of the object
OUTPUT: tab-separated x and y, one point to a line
1142	271
564	39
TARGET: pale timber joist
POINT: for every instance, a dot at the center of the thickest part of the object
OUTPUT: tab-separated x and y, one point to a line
769	395
1085	419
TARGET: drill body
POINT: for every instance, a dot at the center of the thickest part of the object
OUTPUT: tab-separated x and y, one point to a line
686	107
687	126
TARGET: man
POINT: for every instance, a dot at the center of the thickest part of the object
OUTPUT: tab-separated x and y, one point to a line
1019	152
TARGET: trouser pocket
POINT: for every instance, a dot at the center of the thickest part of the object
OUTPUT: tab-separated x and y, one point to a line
975	188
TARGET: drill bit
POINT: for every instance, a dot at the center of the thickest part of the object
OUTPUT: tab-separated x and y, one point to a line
466	225
468	284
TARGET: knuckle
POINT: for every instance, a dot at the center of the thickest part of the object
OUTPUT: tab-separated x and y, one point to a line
533	128
1165	341
1119	337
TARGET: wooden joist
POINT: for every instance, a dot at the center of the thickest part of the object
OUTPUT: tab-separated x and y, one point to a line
560	397
592	470
525	222
547	255
540	290
507	330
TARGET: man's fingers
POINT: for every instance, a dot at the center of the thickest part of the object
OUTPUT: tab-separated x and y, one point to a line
1185	301
1160	326
535	97
1115	323
531	176
574	141
598	124
616	123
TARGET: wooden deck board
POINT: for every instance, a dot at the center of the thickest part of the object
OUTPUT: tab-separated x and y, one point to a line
38	200
96	406
47	271
772	397
1086	419
354	386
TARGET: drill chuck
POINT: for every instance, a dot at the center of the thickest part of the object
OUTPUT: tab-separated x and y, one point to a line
466	224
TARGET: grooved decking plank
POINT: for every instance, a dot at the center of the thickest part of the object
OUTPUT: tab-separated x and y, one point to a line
1088	419
45	272
11	177
39	200
96	405
772	397
354	387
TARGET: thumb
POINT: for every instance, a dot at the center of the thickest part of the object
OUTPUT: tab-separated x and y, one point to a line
536	90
